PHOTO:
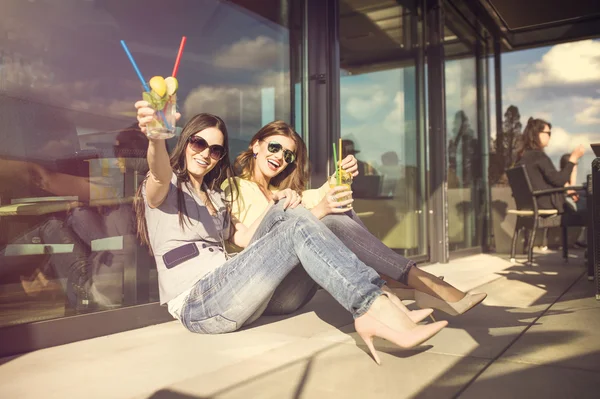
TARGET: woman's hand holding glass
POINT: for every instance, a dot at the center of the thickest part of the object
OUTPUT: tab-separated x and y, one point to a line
145	115
291	198
337	200
350	165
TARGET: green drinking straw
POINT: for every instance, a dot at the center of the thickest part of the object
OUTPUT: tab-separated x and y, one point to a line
337	174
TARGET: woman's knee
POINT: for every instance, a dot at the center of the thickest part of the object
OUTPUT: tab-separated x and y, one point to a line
338	222
299	212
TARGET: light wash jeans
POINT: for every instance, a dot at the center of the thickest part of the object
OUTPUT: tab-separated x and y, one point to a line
224	299
298	287
354	234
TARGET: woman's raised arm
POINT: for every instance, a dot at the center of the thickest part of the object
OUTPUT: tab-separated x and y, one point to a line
157	184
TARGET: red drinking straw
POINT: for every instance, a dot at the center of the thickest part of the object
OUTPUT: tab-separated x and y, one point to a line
181	46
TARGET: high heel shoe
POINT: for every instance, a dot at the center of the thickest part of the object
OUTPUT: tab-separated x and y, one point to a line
387	324
424	300
406	294
414	315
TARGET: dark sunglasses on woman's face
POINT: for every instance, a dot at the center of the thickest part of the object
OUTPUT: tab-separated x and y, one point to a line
274	147
215	151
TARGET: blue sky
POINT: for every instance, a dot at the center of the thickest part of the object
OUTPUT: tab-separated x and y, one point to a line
560	84
236	65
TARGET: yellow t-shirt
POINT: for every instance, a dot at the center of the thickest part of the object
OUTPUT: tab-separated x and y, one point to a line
251	202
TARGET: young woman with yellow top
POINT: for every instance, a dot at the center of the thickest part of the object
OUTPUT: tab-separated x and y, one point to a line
185	218
276	159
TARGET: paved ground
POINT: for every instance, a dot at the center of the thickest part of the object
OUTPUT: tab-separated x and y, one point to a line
537	335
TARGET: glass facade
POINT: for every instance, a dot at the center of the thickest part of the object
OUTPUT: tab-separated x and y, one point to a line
72	155
462	132
381	119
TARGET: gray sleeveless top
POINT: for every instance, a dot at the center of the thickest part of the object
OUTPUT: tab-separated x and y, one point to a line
205	231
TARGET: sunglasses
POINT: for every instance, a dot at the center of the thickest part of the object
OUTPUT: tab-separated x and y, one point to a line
274	147
215	151
549	132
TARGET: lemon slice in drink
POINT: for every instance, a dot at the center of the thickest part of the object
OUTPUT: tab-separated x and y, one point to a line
172	85
158	85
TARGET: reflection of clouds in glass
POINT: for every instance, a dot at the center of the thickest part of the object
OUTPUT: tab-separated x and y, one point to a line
363	106
242	106
394	121
461	90
381	123
238	106
16	72
386	127
260	52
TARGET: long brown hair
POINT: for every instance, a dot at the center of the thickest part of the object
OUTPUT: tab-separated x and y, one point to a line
213	179
295	175
531	136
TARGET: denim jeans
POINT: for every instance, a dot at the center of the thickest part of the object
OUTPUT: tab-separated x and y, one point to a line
224	299
298	287
353	233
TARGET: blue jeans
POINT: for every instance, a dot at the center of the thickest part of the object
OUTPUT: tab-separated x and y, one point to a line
224	299
354	234
298	287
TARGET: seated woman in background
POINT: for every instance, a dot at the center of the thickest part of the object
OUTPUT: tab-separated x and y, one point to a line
185	218
276	159
542	172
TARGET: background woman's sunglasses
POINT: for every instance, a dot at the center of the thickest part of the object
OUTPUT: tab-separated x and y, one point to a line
215	151
274	147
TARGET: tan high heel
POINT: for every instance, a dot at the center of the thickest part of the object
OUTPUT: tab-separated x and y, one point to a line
394	326
469	301
407	294
414	315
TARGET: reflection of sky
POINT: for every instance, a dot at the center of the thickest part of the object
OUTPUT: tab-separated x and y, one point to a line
373	114
461	94
70	53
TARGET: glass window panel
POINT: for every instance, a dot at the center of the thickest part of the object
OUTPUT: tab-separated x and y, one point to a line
463	136
72	156
380	120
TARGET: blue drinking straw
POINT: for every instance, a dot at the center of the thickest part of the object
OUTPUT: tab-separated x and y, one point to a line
139	74
135	67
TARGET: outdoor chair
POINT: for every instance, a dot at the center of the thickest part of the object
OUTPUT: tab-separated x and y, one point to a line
531	218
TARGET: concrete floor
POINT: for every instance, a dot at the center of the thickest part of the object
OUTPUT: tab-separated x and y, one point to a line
537	335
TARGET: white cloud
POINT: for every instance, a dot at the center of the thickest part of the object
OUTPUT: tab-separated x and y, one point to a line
563	142
239	107
568	63
362	108
257	53
395	120
590	115
460	90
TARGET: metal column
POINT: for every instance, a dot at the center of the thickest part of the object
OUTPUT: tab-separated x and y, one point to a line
439	250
